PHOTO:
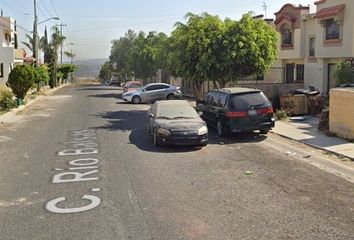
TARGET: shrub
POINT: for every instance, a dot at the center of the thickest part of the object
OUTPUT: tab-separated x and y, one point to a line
42	74
7	100
344	73
281	114
21	79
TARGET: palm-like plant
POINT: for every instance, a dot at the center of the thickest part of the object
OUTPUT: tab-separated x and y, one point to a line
57	40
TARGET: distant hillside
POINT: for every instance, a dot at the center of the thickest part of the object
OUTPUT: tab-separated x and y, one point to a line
88	68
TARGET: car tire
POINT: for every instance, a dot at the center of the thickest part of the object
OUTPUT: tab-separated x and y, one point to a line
221	129
170	96
136	99
264	131
155	141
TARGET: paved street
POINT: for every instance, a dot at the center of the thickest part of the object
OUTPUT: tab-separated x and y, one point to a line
79	165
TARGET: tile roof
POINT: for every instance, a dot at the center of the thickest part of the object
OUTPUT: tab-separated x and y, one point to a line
330	11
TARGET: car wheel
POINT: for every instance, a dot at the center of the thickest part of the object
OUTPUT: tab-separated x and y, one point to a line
136	100
170	96
264	131
221	129
155	141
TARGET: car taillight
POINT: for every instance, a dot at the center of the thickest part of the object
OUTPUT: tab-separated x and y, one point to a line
265	111
236	114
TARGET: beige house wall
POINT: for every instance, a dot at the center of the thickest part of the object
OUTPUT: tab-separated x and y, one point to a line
341	112
317	68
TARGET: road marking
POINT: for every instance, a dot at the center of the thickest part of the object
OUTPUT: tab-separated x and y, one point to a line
82	142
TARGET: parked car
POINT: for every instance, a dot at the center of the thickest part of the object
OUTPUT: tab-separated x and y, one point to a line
114	82
176	123
132	86
234	110
152	92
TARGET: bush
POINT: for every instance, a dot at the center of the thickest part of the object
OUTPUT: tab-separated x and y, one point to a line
7	100
42	74
344	73
281	114
21	79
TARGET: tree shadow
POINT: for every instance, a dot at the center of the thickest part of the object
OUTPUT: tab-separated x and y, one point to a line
134	121
107	95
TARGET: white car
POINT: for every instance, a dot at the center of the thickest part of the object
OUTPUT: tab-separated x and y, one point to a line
153	92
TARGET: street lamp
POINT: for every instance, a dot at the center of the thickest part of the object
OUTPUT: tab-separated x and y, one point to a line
52	18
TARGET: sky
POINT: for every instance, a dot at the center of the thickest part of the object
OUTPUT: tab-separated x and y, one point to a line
91	25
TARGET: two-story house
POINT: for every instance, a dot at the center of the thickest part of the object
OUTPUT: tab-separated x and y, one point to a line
312	43
8	45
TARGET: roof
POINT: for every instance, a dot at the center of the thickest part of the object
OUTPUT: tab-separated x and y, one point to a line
300	7
330	11
150	84
239	90
173	102
320	2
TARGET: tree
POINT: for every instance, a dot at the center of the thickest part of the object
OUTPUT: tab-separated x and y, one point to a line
21	79
249	47
193	49
30	43
344	73
106	72
120	53
56	40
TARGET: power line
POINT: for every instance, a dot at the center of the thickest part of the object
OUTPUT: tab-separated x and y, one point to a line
55	10
45	7
42	12
13	7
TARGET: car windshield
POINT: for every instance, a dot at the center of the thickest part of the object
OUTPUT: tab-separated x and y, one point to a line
175	111
247	100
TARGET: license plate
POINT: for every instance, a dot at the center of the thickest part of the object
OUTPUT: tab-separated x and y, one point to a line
252	112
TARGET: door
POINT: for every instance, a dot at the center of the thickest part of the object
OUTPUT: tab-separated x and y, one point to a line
289	73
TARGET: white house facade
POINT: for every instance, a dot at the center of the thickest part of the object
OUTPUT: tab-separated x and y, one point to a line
8	45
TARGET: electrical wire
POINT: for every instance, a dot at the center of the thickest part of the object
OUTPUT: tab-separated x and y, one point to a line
55	10
45	7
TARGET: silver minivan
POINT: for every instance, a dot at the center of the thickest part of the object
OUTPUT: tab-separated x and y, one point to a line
153	92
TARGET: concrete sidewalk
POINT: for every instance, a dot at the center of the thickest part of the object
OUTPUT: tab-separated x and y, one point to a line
10	117
307	133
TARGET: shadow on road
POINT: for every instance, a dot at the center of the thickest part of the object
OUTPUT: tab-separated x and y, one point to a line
107	95
134	122
250	137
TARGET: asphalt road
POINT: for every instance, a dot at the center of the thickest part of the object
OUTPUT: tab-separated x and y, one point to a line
78	165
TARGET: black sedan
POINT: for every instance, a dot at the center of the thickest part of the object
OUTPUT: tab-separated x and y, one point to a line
175	122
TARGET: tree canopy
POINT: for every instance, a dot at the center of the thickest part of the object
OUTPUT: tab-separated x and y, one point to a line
203	48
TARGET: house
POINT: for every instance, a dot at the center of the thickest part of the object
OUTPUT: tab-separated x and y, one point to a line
8	45
312	43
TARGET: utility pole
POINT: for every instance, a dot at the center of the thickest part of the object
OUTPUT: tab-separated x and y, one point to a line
264	6
61	47
35	34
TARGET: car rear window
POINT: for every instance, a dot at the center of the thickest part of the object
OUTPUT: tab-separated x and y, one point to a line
246	101
135	85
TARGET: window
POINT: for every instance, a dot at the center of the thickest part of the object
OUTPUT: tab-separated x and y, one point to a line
219	99
300	72
1	70
286	35
332	30
312	47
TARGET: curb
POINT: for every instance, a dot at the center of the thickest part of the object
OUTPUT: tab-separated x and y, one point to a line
314	146
14	111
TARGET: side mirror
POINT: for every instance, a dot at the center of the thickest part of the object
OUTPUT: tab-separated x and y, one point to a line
151	115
